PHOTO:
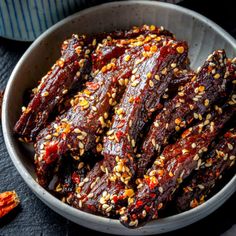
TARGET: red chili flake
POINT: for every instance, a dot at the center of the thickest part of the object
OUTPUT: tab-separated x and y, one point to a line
147	208
119	134
137	100
115	199
217	173
75	178
139	203
50	151
152	195
147	47
93	86
122	122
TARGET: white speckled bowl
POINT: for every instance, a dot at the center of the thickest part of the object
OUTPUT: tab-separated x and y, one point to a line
202	35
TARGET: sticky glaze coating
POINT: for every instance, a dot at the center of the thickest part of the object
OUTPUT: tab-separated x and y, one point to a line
176	163
65	74
215	164
118	166
188	105
121	122
80	128
147	84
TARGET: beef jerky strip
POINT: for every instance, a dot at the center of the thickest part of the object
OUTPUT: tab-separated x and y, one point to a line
189	104
63	76
141	30
137	104
180	78
118	166
79	129
164	177
116	42
71	171
106	196
217	162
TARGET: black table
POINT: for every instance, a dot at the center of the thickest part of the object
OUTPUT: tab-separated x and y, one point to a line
35	218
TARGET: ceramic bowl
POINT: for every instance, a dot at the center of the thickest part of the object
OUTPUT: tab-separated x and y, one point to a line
203	37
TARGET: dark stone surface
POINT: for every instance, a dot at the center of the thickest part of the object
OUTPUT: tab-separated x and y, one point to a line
35	218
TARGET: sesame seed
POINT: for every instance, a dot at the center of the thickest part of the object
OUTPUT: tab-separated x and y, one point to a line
160	205
151	84
109	209
181	94
127	57
160	189
134	70
105	115
180	49
99	147
133	143
81	145
193	145
199	163
217	76
144	213
49	136
104	193
157	77
105	206
149	75
153	142
173	65
195	115
152	173
45	94
206	102
94	108
135	83
232	158
86	180
133	223
164	71
90	195
94	42
230	146
81	165
185	151
196	157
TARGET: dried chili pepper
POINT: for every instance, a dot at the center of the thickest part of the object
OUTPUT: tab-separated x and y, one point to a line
8	201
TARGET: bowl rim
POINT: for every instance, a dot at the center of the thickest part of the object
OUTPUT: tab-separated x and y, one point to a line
44	194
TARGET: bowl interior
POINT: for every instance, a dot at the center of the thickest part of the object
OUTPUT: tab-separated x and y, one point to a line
202	35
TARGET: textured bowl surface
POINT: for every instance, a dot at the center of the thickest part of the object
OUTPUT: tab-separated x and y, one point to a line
203	37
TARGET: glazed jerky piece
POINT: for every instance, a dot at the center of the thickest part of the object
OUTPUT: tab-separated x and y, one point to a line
117	42
71	171
65	74
137	104
100	196
142	30
176	163
79	129
221	158
115	171
189	104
